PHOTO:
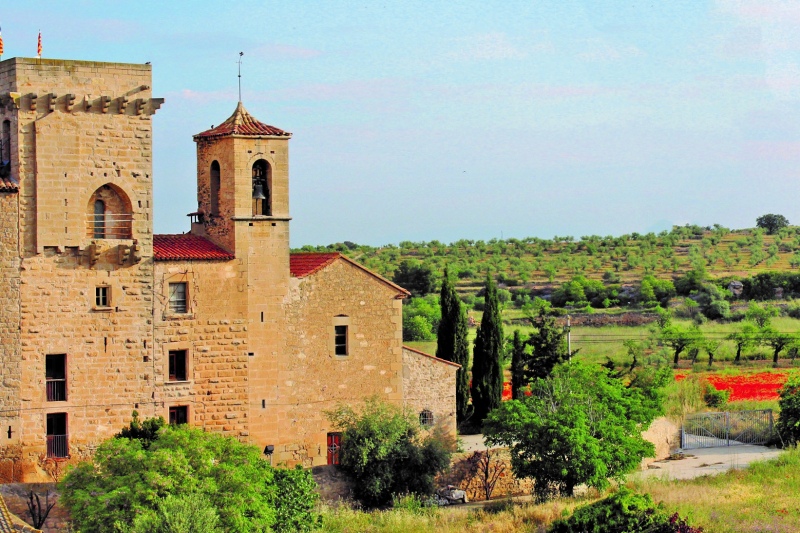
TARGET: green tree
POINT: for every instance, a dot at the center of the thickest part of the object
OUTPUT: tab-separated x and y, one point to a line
145	432
124	480
452	344
487	372
788	425
679	338
518	357
382	453
547	347
187	513
761	316
772	223
295	500
421	317
746	337
776	340
415	277
579	426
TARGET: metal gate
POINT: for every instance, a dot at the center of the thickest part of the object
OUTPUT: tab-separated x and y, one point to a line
732	428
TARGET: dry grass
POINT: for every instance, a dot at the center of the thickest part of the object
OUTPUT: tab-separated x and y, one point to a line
762	497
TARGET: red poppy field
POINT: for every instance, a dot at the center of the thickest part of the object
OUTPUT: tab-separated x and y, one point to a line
760	386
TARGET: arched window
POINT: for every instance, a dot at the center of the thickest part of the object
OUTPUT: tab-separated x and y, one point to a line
214	186
99	219
109	214
5	149
426	418
262	181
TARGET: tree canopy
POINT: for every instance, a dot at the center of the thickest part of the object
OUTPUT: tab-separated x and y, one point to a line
382	452
580	425
487	371
452	344
415	277
772	223
179	479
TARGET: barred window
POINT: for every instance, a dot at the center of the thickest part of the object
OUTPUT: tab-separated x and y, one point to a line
426	418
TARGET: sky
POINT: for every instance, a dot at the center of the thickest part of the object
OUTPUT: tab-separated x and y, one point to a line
468	119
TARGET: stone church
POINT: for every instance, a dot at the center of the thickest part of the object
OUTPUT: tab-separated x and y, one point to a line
220	327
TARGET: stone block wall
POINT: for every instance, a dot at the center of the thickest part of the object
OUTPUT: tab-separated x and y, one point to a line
430	384
312	379
214	333
10	363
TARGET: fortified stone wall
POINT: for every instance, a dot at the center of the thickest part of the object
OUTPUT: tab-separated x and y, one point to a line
430	384
78	128
214	334
9	335
312	379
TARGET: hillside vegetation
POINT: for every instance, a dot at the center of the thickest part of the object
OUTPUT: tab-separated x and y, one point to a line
538	263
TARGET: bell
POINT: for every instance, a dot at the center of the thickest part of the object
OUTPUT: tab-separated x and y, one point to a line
258	192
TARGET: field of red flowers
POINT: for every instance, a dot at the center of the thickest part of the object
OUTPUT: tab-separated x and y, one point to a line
760	386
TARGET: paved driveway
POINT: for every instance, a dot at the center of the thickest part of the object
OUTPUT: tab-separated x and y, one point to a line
708	461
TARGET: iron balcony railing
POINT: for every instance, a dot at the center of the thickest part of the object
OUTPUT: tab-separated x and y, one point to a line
109	226
56	390
57	446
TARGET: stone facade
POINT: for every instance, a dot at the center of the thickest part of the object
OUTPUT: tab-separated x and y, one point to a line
99	317
429	384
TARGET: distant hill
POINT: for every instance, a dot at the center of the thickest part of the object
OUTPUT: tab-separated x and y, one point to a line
535	262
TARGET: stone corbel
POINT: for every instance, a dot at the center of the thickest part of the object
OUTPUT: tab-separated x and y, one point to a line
69	101
104	103
51	102
155	105
33	97
123	103
139	106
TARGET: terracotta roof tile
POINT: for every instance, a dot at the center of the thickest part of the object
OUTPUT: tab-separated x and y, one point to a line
305	264
242	123
7	181
187	246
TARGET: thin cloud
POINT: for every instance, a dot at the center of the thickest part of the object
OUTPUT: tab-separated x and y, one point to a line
488	47
603	51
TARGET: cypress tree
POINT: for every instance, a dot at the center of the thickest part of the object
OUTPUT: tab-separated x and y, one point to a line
452	342
487	371
517	366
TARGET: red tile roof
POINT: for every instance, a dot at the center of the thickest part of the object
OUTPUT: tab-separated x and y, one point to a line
242	123
7	182
186	246
305	264
8	185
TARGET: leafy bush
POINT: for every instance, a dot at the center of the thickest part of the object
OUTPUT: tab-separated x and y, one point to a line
382	452
421	317
295	500
623	512
788	425
124	480
186	513
715	398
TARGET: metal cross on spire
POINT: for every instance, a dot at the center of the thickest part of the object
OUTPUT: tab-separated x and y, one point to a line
240	75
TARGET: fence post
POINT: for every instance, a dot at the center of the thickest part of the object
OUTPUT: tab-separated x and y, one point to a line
727	428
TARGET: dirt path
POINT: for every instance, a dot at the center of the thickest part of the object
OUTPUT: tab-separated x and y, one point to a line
707	461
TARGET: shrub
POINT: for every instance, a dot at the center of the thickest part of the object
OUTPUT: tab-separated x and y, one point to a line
383	453
124	480
295	500
623	512
788	425
715	398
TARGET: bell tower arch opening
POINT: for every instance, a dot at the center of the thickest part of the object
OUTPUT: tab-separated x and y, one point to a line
214	187
262	188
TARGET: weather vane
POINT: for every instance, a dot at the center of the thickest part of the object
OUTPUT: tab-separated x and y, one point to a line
240	75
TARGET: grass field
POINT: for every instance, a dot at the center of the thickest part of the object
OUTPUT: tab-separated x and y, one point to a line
762	497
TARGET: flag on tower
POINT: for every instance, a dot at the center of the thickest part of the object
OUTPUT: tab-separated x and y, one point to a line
1	42
39	46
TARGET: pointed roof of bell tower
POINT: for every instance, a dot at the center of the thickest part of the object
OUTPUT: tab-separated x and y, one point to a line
242	123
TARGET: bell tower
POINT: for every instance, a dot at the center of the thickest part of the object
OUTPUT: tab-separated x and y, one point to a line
243	206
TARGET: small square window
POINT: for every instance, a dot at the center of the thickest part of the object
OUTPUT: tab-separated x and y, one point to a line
177	297
102	296
178	414
177	365
340	340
